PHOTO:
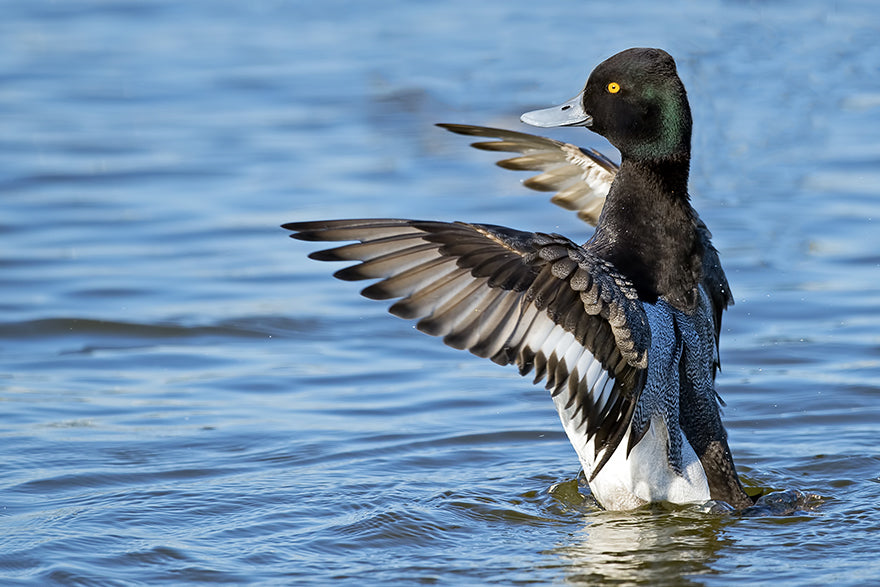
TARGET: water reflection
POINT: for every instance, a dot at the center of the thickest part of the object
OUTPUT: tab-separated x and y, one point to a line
646	547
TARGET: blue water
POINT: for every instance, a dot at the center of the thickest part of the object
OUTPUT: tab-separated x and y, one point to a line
187	398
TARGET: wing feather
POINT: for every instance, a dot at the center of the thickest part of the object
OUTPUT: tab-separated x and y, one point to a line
515	297
580	178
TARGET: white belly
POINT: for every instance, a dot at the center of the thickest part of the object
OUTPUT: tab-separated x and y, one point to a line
627	483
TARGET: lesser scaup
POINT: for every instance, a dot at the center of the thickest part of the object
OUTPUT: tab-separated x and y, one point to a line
624	327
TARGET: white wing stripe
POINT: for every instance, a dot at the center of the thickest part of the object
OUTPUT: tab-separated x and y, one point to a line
602	391
543	327
592	372
573	354
554	338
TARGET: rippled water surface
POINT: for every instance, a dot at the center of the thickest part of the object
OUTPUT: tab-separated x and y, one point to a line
186	397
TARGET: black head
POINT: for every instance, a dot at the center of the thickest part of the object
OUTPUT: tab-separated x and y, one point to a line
636	100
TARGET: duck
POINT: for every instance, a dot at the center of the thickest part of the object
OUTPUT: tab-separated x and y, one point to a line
624	328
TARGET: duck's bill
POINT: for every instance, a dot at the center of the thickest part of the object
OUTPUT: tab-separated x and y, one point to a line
569	114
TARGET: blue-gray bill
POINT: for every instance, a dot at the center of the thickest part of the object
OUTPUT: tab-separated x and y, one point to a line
570	113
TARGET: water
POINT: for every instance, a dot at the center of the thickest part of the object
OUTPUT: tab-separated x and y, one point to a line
187	398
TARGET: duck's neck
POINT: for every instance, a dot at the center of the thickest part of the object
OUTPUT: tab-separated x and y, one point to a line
647	230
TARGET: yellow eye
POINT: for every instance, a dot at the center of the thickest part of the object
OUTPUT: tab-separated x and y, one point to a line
613	87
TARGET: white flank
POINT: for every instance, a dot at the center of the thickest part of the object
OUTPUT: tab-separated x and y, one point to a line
624	482
644	477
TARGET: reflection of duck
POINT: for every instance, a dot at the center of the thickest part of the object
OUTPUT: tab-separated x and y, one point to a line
624	328
643	548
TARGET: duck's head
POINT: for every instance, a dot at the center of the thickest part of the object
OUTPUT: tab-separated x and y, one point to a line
636	100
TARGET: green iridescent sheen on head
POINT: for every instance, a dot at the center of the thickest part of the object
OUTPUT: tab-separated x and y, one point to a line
649	116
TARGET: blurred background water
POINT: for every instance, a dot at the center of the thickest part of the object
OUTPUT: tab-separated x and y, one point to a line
186	397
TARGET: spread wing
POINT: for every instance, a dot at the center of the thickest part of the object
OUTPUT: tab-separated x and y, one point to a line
535	300
581	180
